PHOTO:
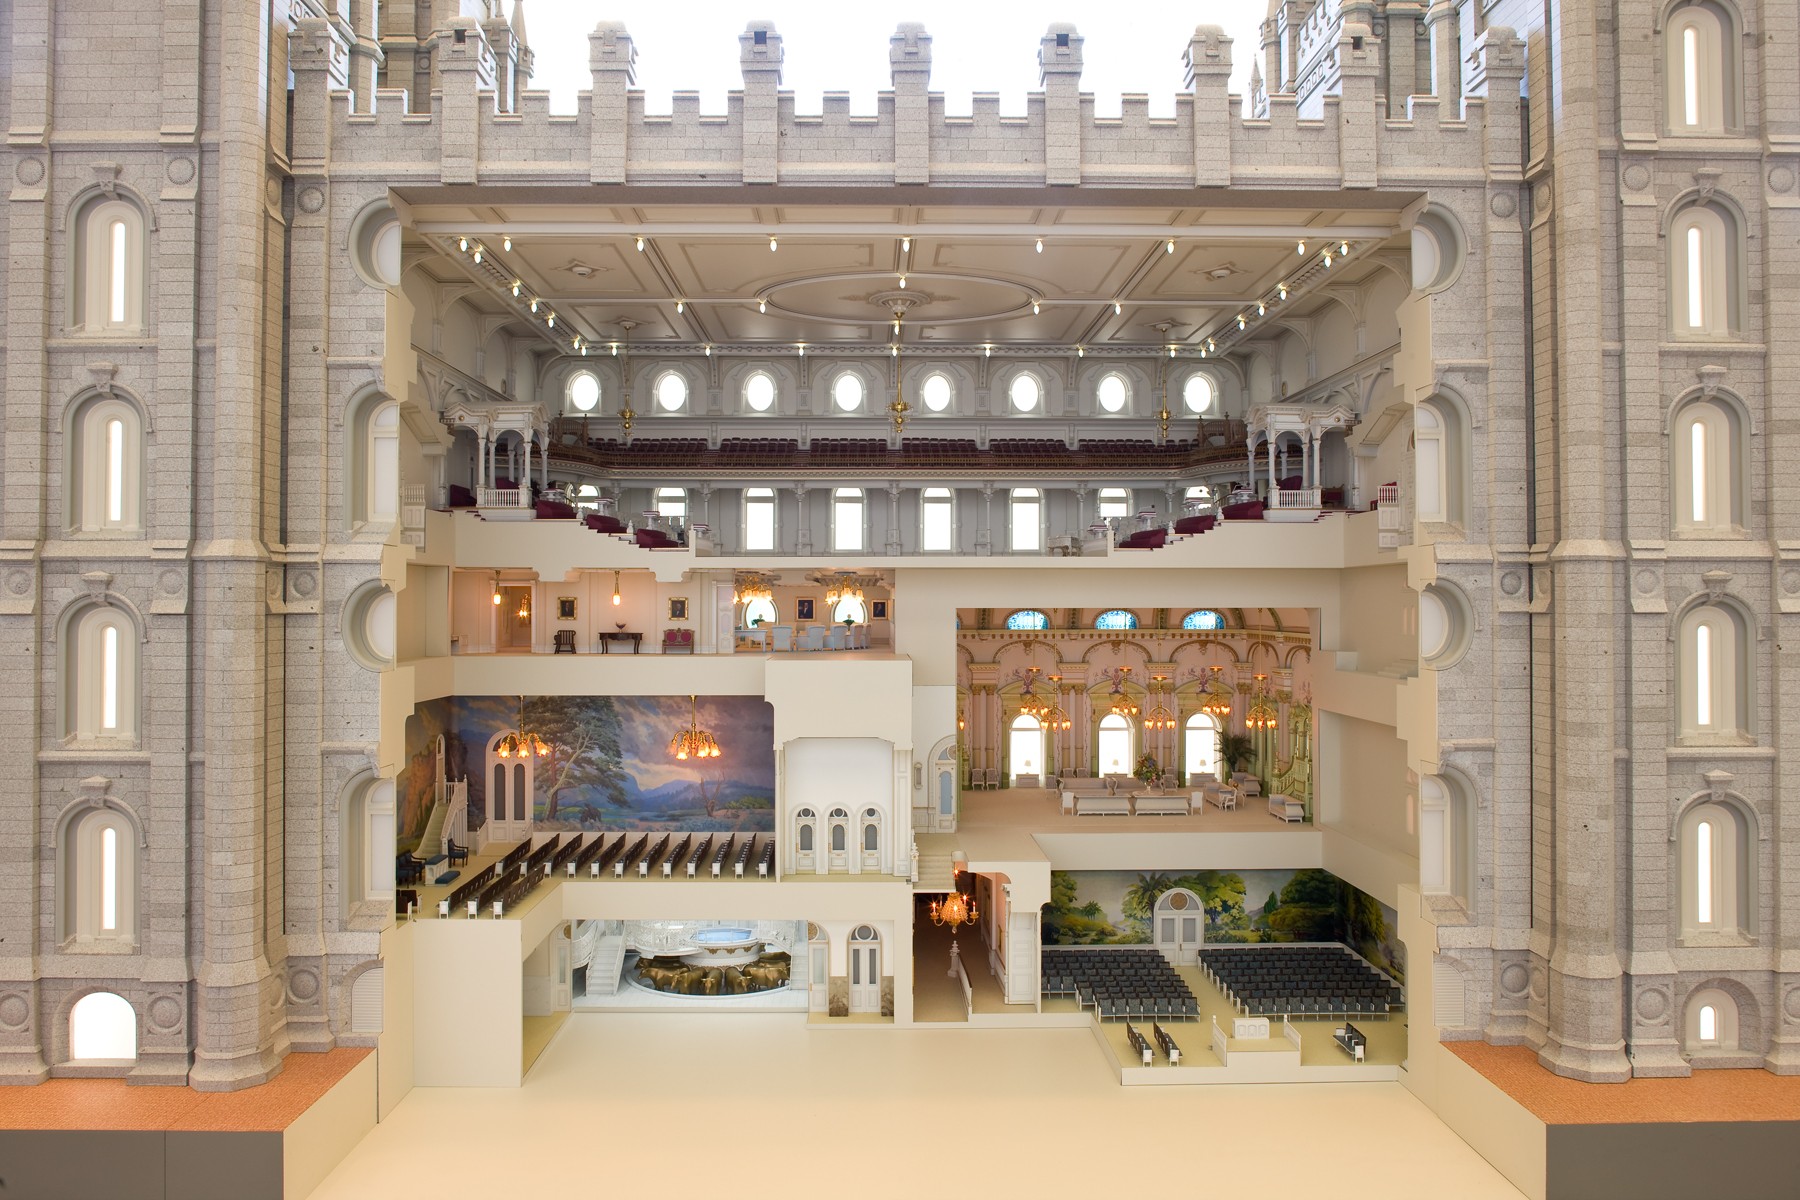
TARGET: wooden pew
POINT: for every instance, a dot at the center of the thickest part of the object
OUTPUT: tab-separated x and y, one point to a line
1139	1044
722	853
693	860
765	866
743	855
629	859
675	856
656	852
1169	1048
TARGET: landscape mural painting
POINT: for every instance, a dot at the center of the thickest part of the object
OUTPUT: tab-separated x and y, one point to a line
609	766
1113	908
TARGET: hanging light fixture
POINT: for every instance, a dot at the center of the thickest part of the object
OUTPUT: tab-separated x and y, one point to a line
693	742
1029	704
752	585
954	910
525	606
1122	704
520	742
617	599
1217	703
1159	717
626	416
899	408
1262	713
498	598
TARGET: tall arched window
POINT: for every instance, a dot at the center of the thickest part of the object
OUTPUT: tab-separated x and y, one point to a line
1025	512
1203	618
1201	745
758	612
103	1026
1707	460
1712	1023
108	272
1716	871
101	677
847	516
1028	618
849	608
937	519
1025	747
366	839
1446	837
384	463
671	502
1440	461
1112	749
106	466
759	518
1703	272
1113	502
97	893
1713	675
1700	69
1116	618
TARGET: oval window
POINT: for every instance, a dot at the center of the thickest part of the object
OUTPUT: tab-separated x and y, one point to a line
584	391
848	392
671	391
1025	393
936	392
1113	393
759	392
1197	393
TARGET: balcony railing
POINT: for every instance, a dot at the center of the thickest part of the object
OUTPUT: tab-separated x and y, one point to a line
1295	498
488	497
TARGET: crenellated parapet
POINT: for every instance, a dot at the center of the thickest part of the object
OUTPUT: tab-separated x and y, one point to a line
1354	133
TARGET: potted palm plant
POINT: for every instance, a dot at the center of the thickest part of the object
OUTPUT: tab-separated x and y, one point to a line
1235	751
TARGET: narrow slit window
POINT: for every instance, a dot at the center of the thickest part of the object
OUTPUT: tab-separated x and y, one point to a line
1703	676
109	880
1698	483
1709	1016
1690	70
109	678
1703	873
115	471
1696	278
116	276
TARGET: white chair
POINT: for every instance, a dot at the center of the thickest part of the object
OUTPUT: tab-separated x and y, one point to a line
813	638
784	637
840	638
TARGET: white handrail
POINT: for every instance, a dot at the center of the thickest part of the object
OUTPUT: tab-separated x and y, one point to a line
487	497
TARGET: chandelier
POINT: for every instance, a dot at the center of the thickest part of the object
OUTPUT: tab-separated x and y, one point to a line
1217	703
1262	713
1029	704
1159	717
752	585
1122	705
955	910
899	408
626	416
520	743
693	742
1057	718
843	585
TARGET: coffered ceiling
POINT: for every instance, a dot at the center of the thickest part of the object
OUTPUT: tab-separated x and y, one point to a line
962	276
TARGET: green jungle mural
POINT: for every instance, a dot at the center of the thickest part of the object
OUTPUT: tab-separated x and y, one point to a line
1113	908
609	765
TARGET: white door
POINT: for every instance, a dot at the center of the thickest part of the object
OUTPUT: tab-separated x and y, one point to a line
840	840
509	799
865	970
560	983
806	840
818	959
943	816
871	840
1179	925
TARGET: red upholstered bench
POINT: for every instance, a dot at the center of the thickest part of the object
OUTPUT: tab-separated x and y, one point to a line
654	539
1199	524
1249	510
604	524
678	639
554	510
1148	539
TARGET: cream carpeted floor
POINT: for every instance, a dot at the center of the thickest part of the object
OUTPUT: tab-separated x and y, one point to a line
627	1103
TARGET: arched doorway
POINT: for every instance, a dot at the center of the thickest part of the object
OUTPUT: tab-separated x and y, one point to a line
840	839
865	970
1200	747
871	839
942	799
1112	749
1025	748
1179	925
511	786
806	840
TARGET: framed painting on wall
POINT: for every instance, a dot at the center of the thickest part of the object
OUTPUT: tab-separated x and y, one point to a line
678	608
803	609
878	609
565	608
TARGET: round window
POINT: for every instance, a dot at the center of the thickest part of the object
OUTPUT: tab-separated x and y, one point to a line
936	392
1025	393
1444	623
1197	393
759	392
1113	393
671	391
848	392
584	391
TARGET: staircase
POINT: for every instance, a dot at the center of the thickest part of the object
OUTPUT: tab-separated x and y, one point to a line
431	842
603	968
936	874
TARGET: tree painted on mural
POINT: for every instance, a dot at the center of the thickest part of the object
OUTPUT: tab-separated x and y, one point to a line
583	732
1067	921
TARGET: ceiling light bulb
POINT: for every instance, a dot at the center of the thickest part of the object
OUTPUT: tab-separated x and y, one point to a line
1343	247
903	281
1117	308
1282	291
896	351
771	241
1171	352
1170	246
1211	345
1203	352
462	243
584	351
1081	352
1328	258
987	351
506	241
1040	245
708	350
640	244
615	349
1301	248
802	349
1240	320
680	307
550	322
515	287
905	245
477	251
1034	308
762	306
534	304
1261	309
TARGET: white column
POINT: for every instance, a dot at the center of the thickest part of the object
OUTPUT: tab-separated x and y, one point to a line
893	522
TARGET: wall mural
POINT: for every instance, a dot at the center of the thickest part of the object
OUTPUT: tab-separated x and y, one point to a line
609	766
1108	908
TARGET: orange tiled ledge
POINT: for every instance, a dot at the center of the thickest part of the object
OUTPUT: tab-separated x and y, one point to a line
1737	1095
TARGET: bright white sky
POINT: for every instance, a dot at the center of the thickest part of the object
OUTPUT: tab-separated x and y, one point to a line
976	45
